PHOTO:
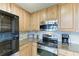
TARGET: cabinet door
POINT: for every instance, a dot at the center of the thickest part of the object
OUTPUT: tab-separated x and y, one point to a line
34	22
76	14
34	49
52	13
25	50
66	16
14	9
21	21
5	6
26	20
43	15
24	17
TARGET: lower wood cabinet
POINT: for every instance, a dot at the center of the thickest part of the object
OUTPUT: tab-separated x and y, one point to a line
25	50
34	49
29	49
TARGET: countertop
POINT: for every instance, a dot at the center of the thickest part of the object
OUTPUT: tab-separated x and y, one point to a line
71	47
25	41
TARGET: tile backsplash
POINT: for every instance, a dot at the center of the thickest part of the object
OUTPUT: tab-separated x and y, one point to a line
73	37
22	35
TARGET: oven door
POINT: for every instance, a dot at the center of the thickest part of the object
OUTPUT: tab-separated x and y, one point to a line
15	44
5	47
46	51
42	52
8	47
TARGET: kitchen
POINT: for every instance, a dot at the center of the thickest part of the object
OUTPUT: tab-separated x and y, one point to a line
43	29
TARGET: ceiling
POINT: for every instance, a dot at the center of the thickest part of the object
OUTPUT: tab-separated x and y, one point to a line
33	7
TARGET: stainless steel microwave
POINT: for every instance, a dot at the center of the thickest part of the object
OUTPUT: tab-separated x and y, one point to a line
51	25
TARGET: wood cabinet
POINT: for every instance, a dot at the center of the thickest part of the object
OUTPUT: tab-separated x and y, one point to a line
43	15
76	16
66	14
25	50
35	22
18	11
52	13
21	21
27	21
28	49
24	21
14	9
37	18
5	6
34	49
66	17
24	16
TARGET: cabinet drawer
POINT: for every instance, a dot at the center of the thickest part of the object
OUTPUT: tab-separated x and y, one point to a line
25	45
34	49
25	50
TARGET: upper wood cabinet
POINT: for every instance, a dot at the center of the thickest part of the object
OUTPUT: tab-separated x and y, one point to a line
15	9
24	17
34	22
52	12
66	17
43	15
76	14
21	21
26	21
37	18
5	6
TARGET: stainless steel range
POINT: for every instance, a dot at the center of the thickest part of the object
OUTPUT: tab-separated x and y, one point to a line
48	46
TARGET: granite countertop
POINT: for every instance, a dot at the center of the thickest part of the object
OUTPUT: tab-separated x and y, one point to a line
25	41
71	47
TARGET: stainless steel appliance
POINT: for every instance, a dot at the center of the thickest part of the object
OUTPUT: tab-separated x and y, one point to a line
48	46
9	33
44	50
51	25
65	38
